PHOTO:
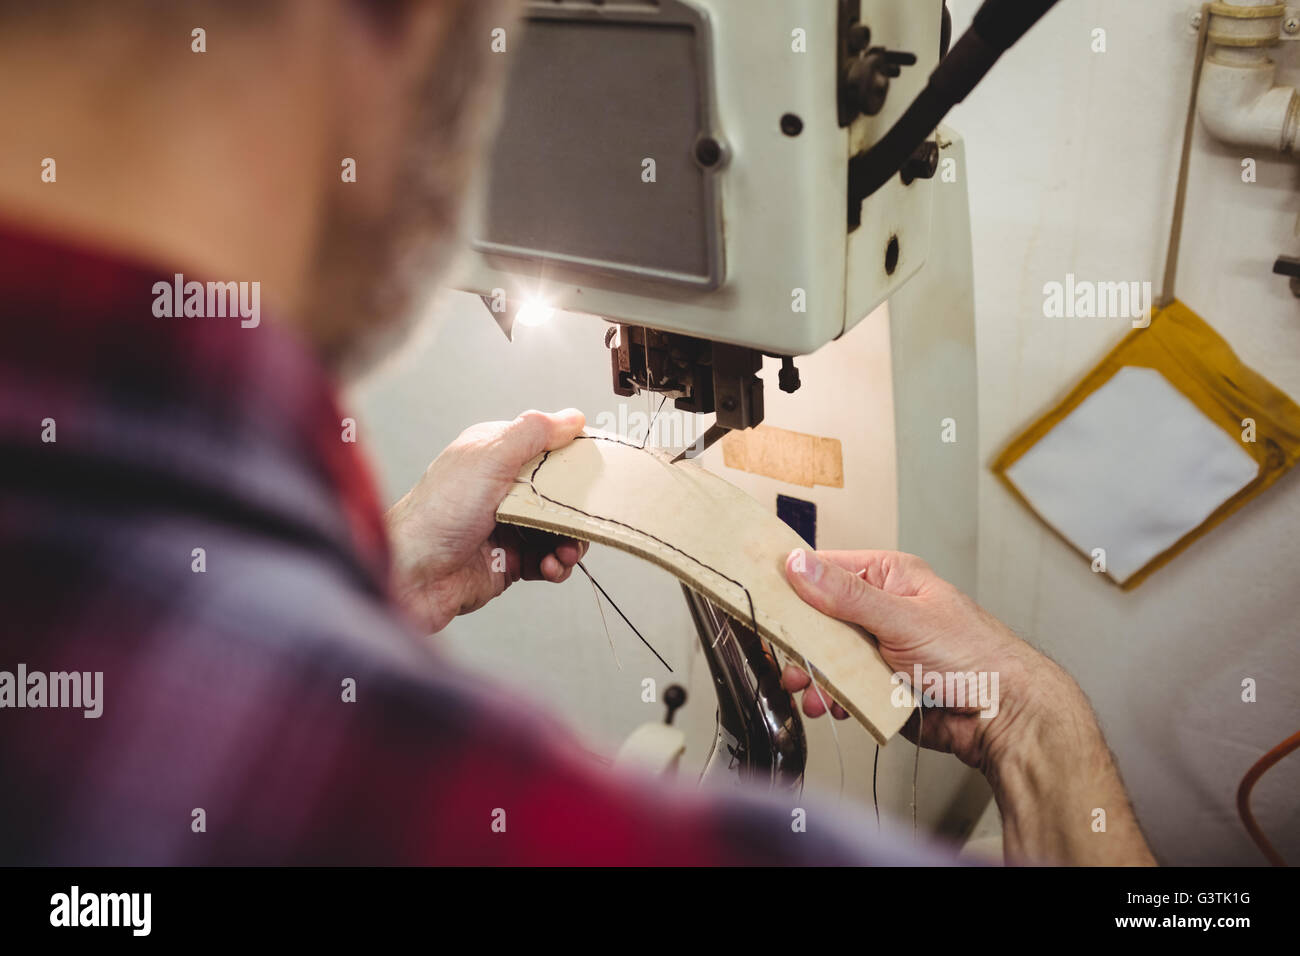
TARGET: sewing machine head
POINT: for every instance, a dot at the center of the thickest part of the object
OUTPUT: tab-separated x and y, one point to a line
685	170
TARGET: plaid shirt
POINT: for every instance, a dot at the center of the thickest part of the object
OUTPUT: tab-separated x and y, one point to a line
127	443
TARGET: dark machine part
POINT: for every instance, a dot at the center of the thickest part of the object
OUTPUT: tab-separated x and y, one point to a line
789	376
1289	266
865	70
998	25
760	735
700	376
923	164
674	700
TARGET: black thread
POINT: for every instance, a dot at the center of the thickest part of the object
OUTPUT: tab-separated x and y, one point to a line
875	770
532	483
584	570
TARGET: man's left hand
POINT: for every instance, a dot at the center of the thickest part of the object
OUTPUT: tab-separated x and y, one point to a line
450	556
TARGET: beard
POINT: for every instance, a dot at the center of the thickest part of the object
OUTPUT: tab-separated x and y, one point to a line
371	273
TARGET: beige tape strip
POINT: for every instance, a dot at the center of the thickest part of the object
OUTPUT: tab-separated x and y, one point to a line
788	456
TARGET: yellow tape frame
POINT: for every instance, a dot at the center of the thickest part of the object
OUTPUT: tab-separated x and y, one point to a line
1182	347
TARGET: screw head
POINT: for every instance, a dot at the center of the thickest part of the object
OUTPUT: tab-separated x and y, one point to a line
859	37
708	152
923	164
1196	20
789	376
674	698
1291	25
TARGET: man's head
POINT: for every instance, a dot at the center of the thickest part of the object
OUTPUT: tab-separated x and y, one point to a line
221	136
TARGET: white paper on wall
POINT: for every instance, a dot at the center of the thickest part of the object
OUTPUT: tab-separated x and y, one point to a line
1132	469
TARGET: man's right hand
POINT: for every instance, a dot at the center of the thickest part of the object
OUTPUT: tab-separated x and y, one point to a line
920	619
1040	748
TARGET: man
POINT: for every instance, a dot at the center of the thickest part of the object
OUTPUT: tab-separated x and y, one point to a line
186	525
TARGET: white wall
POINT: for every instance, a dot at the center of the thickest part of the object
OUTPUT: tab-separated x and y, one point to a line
1072	162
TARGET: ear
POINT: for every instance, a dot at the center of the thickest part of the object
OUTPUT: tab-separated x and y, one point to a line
398	39
380	50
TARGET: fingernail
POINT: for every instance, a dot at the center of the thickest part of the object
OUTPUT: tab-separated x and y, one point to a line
807	564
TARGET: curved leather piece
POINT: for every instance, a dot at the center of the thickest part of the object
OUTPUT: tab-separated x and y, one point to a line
718	541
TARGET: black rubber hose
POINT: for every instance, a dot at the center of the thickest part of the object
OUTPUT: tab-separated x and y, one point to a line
996	28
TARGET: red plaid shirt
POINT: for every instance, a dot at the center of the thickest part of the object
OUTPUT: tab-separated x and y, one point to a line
127	442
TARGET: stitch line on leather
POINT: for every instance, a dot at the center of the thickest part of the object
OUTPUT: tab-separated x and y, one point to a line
532	482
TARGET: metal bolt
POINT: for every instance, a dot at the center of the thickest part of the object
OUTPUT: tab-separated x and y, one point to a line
789	376
859	38
1291	25
708	152
923	164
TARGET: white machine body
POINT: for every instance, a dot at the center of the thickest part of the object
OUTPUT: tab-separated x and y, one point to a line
598	200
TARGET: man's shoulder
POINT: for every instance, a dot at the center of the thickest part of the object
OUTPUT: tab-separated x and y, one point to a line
287	601
244	683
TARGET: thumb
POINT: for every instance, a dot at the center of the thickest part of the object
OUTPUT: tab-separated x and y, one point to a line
534	432
840	593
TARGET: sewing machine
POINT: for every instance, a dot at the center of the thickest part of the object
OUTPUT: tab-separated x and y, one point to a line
723	180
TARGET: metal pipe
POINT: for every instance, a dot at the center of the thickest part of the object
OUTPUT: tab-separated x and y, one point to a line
1239	100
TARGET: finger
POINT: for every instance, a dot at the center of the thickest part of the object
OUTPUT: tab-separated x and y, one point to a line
842	594
816	700
894	571
552	570
507	540
794	679
570	552
534	432
812	703
530	563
